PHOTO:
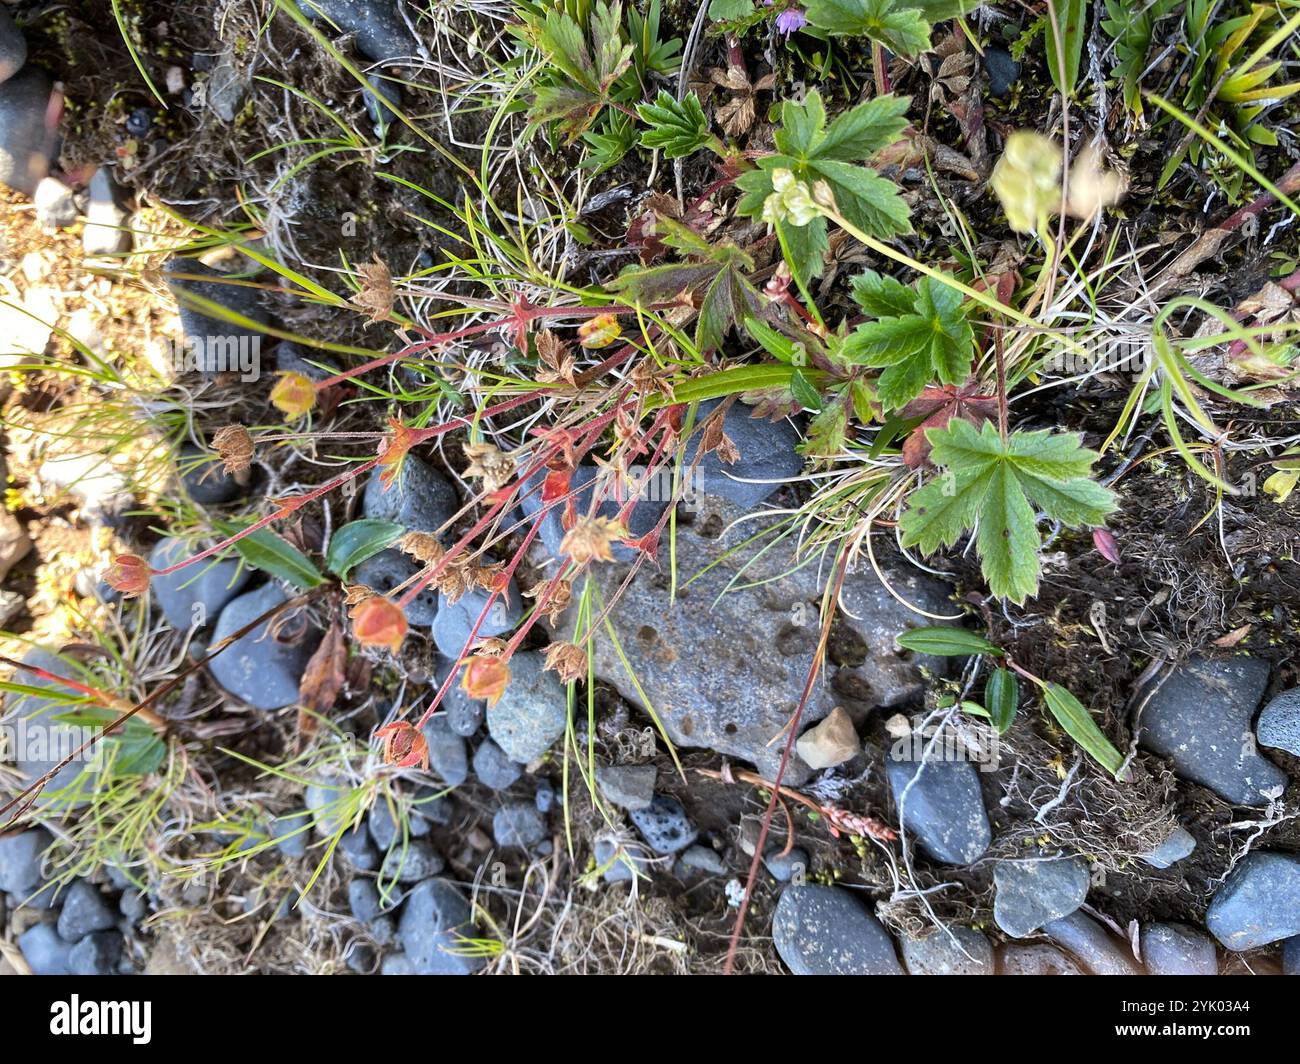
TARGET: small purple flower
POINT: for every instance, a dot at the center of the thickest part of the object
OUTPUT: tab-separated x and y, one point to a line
790	20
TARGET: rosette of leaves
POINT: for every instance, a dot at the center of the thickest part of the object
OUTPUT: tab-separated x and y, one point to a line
1231	80
815	152
594	58
714	276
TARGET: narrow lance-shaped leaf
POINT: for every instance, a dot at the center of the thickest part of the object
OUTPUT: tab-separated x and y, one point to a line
1074	717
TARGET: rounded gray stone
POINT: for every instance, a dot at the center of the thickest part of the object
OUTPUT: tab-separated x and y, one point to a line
13	47
195	595
379	31
1091	944
205	481
825	931
44	952
786	867
218	342
518	824
420	499
940	802
1200	719
447	755
258	668
1031	893
21	855
948	951
1175	848
532	712
413	862
767	456
84	911
433	930
664	825
390	569
630	787
1258	903
97	954
1036	959
1177	949
493	769
1279	723
47	741
25	142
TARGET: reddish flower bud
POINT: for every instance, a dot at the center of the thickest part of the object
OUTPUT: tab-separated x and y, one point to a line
600	331
486	677
377	622
129	574
404	745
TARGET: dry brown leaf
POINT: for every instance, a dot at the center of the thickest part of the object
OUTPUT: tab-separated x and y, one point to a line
322	681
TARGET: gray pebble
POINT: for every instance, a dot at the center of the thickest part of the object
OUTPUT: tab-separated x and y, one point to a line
949	951
825	931
84	911
664	825
1031	893
1037	959
518	824
493	768
1176	949
630	787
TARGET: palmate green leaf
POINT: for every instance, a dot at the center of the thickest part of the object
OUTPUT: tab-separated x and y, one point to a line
586	75
900	26
678	127
996	486
814	151
728	10
913	343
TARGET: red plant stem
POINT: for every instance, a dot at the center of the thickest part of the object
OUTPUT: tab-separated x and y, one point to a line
286	508
435	570
520	319
791	732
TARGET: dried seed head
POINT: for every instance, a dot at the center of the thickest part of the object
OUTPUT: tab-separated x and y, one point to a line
556	602
376	296
423	547
485	461
568	660
235	446
591	539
